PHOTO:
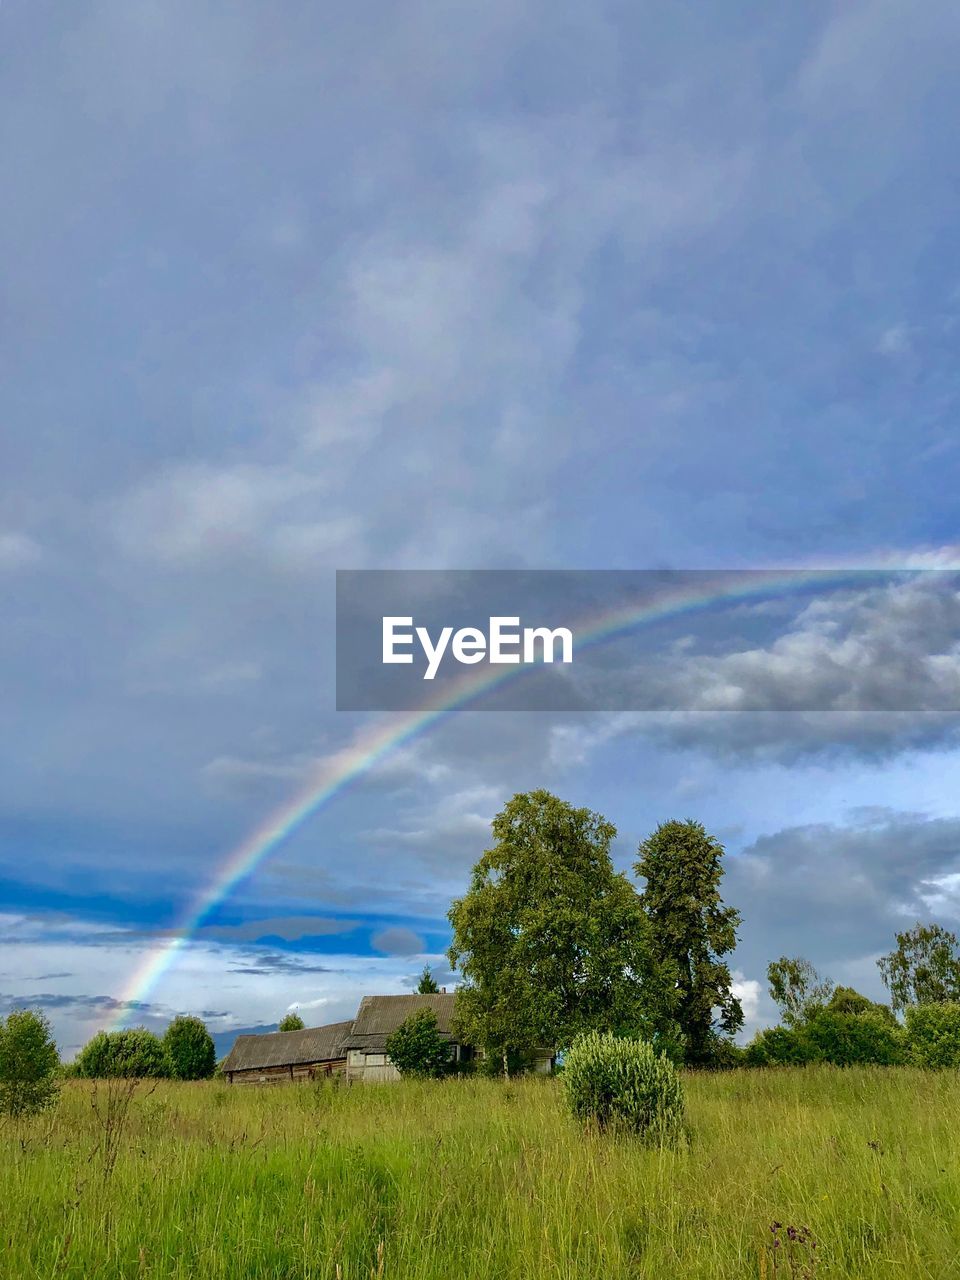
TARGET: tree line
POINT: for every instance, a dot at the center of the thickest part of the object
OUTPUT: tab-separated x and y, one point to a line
553	943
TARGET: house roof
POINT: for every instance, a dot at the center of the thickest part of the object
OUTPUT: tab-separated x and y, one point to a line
287	1048
378	1016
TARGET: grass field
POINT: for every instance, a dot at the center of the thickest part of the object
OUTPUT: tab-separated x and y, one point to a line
470	1178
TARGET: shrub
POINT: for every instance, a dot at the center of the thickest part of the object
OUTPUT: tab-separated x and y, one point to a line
29	1064
133	1054
624	1082
933	1035
723	1054
854	1039
189	1049
417	1048
778	1047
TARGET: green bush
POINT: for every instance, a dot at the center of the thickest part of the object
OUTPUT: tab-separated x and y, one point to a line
135	1054
189	1049
29	1064
854	1039
933	1035
842	1039
626	1083
417	1048
778	1047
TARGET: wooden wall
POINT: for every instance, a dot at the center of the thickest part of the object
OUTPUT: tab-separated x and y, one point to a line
286	1075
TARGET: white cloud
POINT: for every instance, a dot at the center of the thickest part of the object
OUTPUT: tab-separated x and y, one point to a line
18	551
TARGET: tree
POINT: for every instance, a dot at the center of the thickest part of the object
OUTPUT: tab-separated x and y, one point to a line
549	939
28	1064
797	988
924	968
691	929
427	985
417	1048
135	1053
848	1000
189	1050
291	1022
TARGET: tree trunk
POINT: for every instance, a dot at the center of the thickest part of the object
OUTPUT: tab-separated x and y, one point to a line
506	1065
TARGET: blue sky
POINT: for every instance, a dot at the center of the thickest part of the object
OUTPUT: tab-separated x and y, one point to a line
293	288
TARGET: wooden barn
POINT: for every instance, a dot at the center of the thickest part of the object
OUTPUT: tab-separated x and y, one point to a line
281	1056
365	1044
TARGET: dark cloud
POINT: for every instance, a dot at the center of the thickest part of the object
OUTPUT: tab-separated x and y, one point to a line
397	941
290	928
260	963
839	894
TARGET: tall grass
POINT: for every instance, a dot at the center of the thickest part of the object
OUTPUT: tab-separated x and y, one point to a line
475	1180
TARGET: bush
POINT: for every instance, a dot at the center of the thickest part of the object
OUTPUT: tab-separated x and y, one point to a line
724	1054
778	1047
189	1049
625	1083
854	1039
133	1054
933	1035
29	1064
417	1048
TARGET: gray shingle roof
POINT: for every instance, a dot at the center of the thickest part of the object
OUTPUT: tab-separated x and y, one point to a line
287	1048
378	1016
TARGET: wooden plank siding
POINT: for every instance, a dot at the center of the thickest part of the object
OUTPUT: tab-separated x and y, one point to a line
291	1073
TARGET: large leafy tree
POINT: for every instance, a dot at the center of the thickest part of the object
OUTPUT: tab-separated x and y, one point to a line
550	940
291	1022
691	930
28	1064
924	968
797	988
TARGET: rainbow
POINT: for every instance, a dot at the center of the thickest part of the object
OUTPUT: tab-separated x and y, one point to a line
375	742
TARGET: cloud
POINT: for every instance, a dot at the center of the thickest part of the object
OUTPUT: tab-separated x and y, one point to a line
397	941
290	928
18	551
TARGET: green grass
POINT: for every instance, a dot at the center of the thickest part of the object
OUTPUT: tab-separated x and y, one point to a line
475	1180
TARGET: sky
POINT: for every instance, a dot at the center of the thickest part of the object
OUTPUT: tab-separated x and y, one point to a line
292	289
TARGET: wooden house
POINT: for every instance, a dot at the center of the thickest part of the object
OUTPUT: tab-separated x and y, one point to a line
356	1049
378	1017
281	1056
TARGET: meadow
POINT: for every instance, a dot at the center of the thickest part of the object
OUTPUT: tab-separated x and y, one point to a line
471	1179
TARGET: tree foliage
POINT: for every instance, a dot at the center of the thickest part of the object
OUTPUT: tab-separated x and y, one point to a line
417	1048
189	1049
933	1035
797	988
550	940
132	1054
291	1022
28	1064
924	968
691	929
427	986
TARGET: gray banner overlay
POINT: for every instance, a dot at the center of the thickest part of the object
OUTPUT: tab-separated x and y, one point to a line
852	640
